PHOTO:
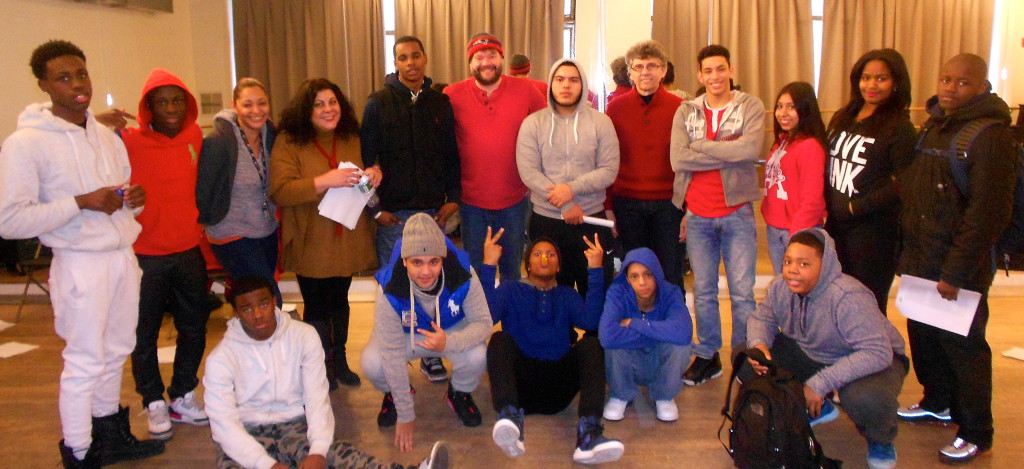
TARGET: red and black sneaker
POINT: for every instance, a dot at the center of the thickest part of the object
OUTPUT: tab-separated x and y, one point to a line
388	416
465	409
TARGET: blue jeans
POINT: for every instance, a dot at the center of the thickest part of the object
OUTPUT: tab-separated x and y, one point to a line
778	239
659	367
250	256
652	224
388	235
731	239
475	221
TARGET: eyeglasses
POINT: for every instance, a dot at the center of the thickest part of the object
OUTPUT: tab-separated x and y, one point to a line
650	67
262	306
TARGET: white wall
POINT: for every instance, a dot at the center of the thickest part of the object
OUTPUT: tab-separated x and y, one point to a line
624	22
1011	56
121	48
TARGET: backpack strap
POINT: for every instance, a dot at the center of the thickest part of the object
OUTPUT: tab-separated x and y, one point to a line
737	363
959	149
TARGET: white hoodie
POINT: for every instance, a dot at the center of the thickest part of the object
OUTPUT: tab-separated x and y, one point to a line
260	382
44	165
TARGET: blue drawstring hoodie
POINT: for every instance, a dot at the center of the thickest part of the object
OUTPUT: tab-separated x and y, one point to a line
669	321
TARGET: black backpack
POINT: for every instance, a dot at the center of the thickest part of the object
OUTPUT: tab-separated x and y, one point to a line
1011	241
770	428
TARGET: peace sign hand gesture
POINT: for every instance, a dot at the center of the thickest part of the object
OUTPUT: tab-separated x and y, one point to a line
492	250
594	252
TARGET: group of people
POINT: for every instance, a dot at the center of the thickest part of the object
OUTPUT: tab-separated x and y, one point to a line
534	171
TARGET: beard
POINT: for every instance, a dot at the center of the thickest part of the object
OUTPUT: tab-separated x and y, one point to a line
498	69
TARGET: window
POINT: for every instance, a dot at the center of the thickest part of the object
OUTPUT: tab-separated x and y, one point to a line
817	26
569	29
388	7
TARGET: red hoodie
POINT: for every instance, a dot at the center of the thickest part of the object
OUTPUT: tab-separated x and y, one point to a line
166	168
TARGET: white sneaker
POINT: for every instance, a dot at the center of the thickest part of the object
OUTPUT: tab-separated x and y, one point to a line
615	409
186	409
159	421
439	457
667	411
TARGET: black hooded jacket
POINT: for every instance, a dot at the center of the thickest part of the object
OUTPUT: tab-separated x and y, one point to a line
948	235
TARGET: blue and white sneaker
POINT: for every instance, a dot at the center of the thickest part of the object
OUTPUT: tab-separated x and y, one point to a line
591	445
881	456
828	413
508	432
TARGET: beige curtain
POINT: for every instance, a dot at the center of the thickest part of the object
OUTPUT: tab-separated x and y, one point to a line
925	32
771	41
682	27
284	42
532	28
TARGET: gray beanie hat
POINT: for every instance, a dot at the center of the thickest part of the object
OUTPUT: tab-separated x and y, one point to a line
422	237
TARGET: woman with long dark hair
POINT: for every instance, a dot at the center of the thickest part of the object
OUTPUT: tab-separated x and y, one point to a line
233	181
870	140
318	130
794	181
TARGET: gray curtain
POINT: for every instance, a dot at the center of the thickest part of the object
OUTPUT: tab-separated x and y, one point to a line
532	28
284	42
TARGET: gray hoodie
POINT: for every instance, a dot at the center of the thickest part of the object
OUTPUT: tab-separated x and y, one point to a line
838	323
580	150
734	151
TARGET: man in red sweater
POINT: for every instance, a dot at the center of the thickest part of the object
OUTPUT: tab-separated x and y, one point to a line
641	196
163	152
489	108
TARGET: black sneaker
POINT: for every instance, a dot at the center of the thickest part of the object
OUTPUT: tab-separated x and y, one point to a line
388	416
434	369
508	432
592	447
465	409
703	369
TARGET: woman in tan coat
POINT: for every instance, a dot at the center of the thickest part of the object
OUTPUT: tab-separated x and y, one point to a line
318	131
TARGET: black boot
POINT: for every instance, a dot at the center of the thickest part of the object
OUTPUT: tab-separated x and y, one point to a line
116	442
339	335
323	329
91	461
341	370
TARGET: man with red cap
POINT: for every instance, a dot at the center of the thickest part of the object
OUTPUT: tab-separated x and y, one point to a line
489	108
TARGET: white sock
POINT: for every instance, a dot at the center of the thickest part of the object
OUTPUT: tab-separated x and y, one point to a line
80	453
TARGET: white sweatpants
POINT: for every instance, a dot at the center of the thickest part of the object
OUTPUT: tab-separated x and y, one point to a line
95	299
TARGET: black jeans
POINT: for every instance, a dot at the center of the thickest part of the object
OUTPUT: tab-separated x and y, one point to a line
178	282
652	224
568	239
546	387
327	310
867	252
956	373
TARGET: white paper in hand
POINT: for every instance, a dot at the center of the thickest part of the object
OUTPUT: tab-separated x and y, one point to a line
344	204
919	300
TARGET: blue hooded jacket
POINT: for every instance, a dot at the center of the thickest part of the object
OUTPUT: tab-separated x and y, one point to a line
669	321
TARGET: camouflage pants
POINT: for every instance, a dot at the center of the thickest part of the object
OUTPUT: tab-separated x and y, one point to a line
286	443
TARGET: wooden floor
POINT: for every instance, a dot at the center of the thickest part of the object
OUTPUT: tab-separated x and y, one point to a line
30	425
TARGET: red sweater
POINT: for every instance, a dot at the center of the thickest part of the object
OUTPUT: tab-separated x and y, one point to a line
645	136
166	168
794	186
486	129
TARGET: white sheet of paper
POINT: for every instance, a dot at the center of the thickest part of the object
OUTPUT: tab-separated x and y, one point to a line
919	300
5	325
289	307
1015	352
166	354
344	204
11	349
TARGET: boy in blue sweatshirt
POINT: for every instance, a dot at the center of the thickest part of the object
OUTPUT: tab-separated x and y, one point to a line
646	332
825	327
535	363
